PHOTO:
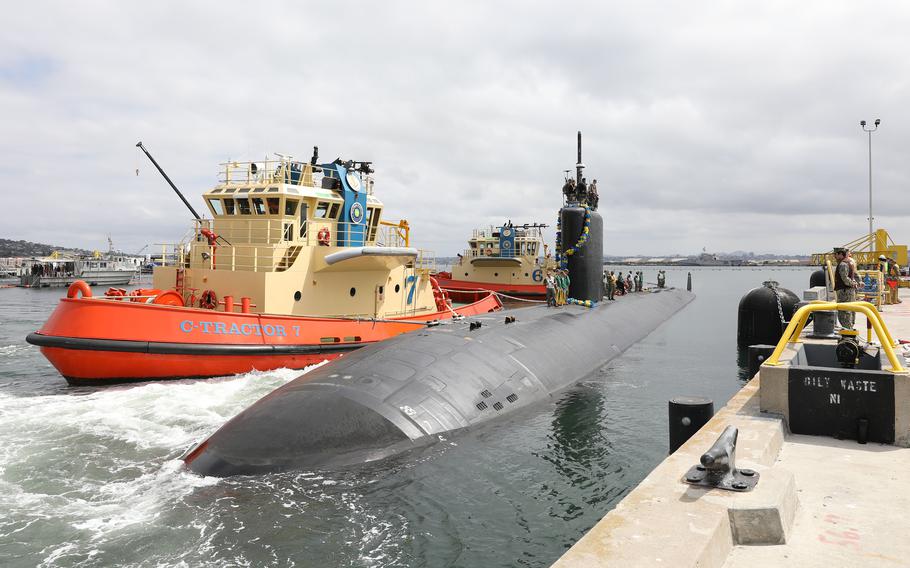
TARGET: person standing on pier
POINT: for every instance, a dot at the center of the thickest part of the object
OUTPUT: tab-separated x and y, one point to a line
629	286
620	285
844	286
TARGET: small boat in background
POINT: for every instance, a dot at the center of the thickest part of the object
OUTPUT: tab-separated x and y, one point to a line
297	266
59	270
510	260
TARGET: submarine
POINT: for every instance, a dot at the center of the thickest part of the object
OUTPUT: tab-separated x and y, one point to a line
406	392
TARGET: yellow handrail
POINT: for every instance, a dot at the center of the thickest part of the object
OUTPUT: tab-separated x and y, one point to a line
403	229
798	322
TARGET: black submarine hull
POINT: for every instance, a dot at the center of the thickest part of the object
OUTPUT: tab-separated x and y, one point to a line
402	393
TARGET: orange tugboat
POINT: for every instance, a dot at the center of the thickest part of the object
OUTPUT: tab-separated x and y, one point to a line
296	266
510	260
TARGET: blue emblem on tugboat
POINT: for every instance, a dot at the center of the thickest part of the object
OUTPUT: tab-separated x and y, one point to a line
356	213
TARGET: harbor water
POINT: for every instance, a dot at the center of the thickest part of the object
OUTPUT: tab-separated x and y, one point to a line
90	476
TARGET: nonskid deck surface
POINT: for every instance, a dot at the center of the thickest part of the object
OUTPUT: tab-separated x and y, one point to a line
387	398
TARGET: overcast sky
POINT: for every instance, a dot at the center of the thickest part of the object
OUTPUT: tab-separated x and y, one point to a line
723	125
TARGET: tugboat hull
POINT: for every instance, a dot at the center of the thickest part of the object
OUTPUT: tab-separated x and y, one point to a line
91	340
467	291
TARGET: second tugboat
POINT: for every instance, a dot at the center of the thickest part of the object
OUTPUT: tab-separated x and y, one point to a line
510	259
296	267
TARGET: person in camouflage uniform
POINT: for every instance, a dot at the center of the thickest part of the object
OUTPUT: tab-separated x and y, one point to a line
844	286
611	286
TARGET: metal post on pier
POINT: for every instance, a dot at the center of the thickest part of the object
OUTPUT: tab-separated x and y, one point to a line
687	414
862	124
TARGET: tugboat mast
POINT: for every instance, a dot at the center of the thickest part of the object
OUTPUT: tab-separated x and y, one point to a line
174	187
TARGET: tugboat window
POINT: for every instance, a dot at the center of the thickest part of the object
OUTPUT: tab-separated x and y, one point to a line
353	291
258	206
229	206
333	212
375	224
215	204
243	205
397	288
273	203
322	208
297	296
368	218
290	207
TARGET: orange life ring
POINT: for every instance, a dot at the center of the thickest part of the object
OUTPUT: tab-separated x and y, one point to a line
489	252
324	236
77	287
208	300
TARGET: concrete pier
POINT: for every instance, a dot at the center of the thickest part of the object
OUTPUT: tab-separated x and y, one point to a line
820	501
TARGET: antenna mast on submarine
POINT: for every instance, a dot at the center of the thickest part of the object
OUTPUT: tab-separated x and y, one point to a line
579	166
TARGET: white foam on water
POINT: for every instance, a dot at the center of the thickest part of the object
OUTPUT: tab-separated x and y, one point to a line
104	462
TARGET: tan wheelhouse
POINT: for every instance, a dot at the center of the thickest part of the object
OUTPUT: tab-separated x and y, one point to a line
297	239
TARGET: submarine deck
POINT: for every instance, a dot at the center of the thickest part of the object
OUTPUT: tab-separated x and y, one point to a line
833	502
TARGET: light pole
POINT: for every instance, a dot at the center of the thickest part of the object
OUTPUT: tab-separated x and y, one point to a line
862	123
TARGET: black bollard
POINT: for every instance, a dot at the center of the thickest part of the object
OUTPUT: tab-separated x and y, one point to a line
757	356
689	283
687	415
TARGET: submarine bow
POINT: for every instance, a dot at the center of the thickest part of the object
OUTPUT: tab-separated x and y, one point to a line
390	397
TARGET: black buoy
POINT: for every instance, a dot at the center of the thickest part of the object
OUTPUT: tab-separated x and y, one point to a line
817	278
761	311
687	415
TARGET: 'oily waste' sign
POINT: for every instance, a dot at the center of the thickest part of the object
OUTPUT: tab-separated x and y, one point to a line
828	401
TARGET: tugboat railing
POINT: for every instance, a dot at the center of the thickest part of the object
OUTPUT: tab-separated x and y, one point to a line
267	245
517	252
521	231
284	170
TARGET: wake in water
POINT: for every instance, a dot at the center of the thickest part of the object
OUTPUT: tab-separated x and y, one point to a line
77	471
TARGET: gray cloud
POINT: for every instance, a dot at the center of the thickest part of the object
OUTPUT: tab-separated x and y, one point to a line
719	125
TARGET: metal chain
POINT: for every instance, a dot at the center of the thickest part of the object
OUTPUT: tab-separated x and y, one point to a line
780	310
